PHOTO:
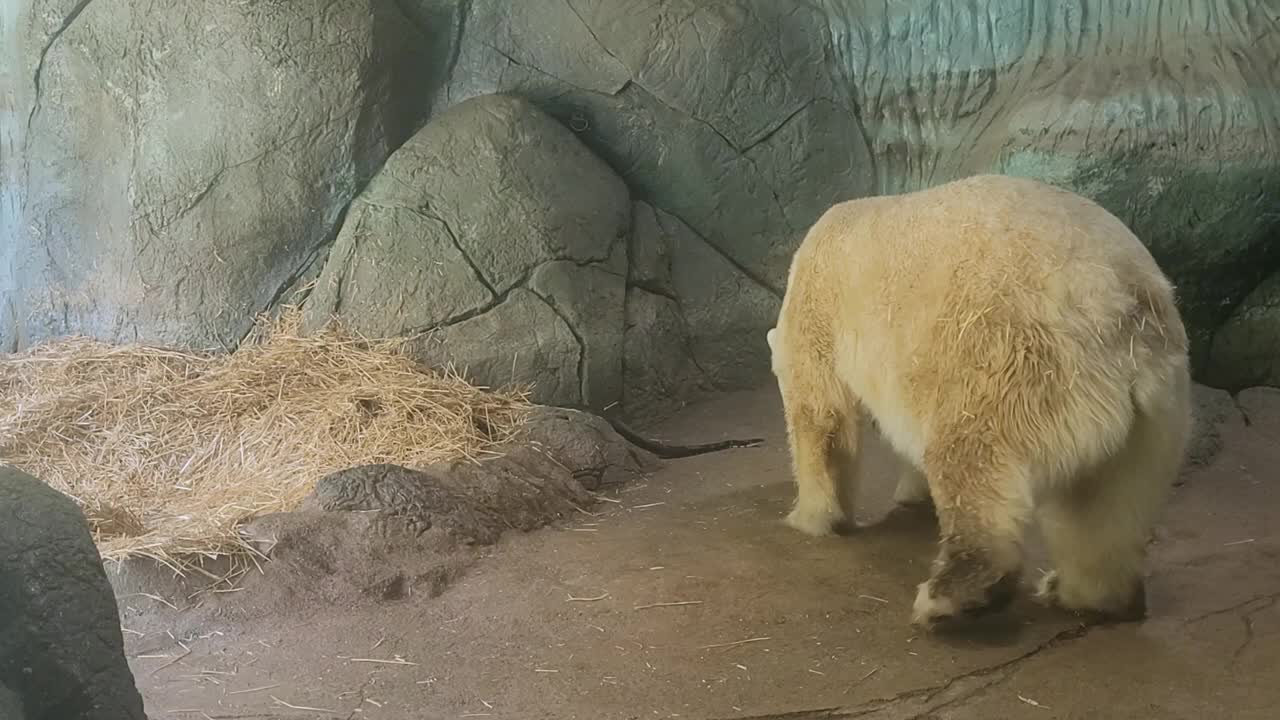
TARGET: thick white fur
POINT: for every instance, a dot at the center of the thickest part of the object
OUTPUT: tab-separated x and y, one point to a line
1021	351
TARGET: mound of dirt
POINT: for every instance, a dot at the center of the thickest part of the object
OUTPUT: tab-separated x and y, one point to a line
383	532
587	444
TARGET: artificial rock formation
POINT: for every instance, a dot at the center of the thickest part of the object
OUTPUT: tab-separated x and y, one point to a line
61	648
500	240
170	170
168	173
1246	348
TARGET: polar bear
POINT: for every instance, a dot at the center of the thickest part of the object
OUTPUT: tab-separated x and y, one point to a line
1020	350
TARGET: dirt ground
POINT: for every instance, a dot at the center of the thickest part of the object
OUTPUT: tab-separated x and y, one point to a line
685	596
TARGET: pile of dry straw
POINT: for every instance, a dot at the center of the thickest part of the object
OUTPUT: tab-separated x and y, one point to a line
167	452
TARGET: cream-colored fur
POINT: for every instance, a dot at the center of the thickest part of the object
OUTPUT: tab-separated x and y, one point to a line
1021	351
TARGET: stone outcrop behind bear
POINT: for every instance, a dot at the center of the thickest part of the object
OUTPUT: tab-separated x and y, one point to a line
746	123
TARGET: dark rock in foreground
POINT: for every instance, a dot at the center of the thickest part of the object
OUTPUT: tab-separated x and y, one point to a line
61	648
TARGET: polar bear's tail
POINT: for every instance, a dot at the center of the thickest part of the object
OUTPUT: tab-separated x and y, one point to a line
1162	419
1162	388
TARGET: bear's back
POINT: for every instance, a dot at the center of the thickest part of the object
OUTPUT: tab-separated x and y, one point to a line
913	292
981	241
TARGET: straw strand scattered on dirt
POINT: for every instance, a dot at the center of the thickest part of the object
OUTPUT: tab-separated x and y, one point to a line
168	452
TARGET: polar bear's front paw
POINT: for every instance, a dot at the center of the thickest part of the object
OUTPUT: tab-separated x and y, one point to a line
970	598
930	608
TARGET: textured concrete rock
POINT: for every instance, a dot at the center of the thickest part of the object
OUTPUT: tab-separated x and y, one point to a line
714	335
61	648
722	114
393	270
518	342
650	257
1261	406
1165	112
660	372
1246	349
10	705
1211	409
489	198
170	170
590	299
725	311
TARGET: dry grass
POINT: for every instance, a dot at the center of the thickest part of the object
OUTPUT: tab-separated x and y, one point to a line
168	452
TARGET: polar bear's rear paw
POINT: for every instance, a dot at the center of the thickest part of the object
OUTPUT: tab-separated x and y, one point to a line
1047	589
1127	603
816	521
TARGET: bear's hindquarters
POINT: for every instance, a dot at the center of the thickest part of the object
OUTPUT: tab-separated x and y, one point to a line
1097	527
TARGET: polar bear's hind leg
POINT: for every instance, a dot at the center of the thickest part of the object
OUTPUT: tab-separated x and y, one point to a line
983	509
1097	529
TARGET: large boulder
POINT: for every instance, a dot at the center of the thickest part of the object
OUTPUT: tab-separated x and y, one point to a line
1261	409
61	648
495	234
720	114
1246	348
694	321
503	241
171	170
745	120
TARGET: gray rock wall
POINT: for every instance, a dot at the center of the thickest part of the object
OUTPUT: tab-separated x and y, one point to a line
171	170
1246	348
